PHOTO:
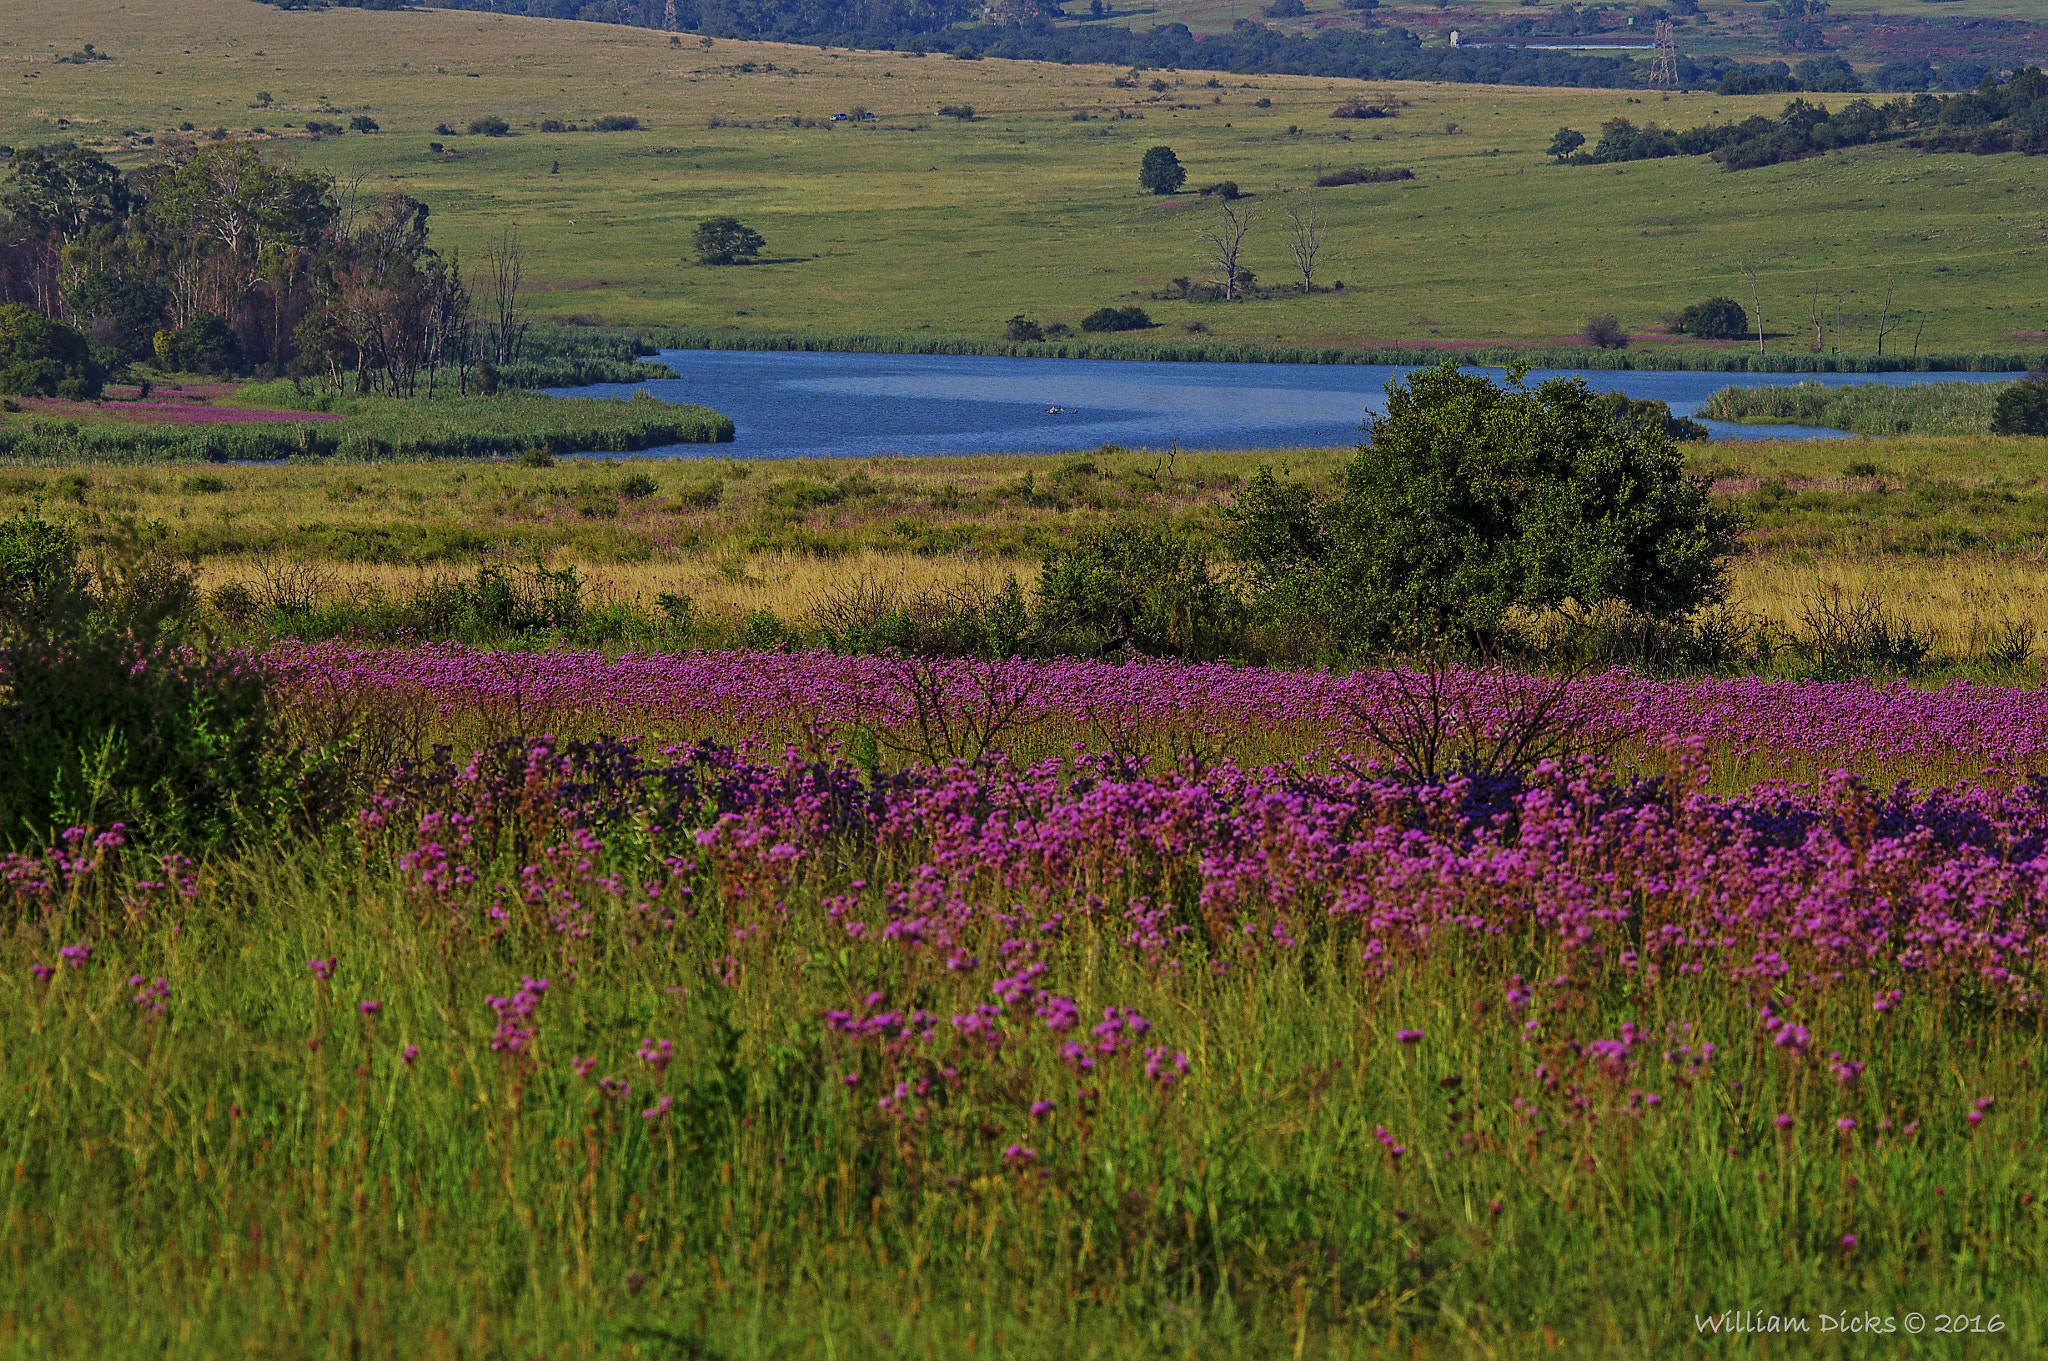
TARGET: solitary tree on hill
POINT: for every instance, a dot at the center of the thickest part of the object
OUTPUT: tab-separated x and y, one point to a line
1161	171
725	241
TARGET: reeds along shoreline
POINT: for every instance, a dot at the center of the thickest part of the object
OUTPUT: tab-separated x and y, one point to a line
1712	360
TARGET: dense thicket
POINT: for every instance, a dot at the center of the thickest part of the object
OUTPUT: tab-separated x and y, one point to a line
1026	29
210	259
1995	117
112	712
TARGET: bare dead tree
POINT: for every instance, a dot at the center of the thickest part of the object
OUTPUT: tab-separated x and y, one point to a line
1756	301
505	263
1838	323
1916	336
1887	321
1226	245
939	711
1436	718
1820	325
1310	230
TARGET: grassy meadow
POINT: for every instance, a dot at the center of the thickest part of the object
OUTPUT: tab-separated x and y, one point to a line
919	224
1950	533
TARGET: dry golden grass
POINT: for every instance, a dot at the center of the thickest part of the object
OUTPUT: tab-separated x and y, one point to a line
1958	601
791	586
940	525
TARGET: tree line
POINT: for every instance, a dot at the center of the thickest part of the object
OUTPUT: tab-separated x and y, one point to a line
2012	116
1028	30
209	259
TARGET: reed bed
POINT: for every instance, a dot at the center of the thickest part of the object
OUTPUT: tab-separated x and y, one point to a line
376	429
1865	408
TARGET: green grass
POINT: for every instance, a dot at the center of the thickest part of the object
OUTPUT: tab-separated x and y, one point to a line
918	225
258	1170
1947	532
1865	408
373	428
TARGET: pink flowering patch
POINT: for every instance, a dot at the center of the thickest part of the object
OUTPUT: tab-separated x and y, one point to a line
165	413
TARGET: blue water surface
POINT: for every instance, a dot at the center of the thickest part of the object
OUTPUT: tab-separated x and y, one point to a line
793	404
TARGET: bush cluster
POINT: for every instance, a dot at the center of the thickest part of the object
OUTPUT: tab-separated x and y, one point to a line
1359	175
44	358
1116	319
112	707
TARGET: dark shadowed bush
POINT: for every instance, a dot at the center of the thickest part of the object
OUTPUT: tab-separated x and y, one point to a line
202	345
2022	409
1356	175
1604	331
1714	319
44	358
114	711
1116	319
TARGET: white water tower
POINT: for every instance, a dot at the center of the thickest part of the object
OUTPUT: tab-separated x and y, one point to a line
1454	37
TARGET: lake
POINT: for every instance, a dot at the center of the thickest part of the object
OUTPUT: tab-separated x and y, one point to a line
794	404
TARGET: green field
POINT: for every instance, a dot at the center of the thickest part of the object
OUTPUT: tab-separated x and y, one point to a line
922	225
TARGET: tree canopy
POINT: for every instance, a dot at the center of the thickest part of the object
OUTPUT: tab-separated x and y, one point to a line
1161	171
44	358
1714	319
1472	499
725	240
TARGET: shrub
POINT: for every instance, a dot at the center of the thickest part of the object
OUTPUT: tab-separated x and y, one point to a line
1649	412
1714	319
616	122
44	358
363	123
637	487
1022	328
111	713
1161	172
553	125
961	111
1357	107
1604	331
202	345
2022	409
1142	586
1225	189
1472	500
490	125
1355	175
1116	319
1285	9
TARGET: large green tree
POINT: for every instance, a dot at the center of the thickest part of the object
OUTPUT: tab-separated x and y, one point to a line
725	240
1473	498
62	193
1161	172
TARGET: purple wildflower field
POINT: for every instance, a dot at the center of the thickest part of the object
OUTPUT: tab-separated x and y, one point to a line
914	1005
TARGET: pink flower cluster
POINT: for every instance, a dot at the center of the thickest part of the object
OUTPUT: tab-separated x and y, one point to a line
1765	722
